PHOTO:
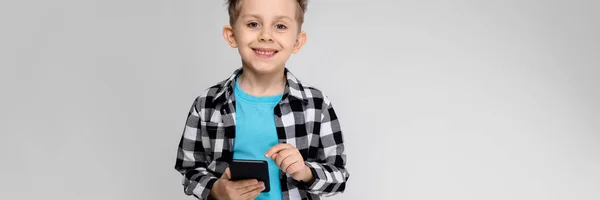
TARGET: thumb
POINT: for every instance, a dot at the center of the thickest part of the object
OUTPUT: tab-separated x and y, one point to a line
226	174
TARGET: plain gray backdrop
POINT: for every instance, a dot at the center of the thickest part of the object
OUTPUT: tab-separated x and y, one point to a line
438	99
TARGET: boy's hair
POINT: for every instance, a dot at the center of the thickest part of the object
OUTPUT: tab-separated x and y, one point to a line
234	7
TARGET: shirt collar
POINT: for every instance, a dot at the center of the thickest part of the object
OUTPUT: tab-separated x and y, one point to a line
293	88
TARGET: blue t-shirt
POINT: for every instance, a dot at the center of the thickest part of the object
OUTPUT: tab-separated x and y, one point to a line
255	133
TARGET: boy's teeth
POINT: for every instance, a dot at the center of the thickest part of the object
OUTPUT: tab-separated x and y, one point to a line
265	53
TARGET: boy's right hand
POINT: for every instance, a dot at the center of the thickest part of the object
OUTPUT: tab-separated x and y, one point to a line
225	189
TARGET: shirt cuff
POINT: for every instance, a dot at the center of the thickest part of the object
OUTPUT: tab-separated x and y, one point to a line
319	176
205	191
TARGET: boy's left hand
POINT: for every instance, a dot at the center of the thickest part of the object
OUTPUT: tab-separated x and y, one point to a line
289	160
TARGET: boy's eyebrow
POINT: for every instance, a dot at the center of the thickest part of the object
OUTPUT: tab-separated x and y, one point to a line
283	17
258	17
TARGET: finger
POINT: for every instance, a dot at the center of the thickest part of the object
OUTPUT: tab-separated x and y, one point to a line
226	174
252	194
244	183
288	163
289	151
296	167
282	155
250	187
276	149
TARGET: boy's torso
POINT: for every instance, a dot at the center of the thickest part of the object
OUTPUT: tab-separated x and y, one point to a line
297	120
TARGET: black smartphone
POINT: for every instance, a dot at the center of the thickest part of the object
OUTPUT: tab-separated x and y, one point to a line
250	169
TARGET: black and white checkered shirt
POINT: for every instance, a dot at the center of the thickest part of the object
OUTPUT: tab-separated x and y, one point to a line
304	118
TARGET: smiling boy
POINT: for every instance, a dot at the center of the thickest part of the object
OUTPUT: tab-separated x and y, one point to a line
263	112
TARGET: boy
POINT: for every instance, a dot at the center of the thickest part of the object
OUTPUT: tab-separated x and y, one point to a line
262	112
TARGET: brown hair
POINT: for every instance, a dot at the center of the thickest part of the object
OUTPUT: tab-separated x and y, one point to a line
233	7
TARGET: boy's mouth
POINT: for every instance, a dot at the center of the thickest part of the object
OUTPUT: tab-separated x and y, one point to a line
264	53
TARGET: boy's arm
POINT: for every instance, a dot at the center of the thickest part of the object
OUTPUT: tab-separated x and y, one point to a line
329	172
192	160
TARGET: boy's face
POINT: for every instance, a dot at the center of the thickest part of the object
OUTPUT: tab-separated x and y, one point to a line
266	33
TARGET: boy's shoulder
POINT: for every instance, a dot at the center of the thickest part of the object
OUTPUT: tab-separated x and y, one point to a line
304	91
209	94
313	93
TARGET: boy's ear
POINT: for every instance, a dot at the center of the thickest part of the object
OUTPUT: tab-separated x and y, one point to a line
300	40
229	36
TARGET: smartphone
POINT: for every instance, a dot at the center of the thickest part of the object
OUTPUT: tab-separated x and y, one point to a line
250	169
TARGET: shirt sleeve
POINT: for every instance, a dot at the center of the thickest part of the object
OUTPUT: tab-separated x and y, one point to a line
192	160
329	172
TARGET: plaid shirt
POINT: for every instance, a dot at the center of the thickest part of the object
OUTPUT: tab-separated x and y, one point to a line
304	118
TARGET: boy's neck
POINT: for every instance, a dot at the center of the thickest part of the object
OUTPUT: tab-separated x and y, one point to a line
257	84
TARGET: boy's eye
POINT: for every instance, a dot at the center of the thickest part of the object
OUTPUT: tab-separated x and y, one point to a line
281	26
253	25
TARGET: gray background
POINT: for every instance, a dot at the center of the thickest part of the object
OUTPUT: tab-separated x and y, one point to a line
438	99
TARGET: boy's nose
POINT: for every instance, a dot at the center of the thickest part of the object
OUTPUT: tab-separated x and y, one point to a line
265	36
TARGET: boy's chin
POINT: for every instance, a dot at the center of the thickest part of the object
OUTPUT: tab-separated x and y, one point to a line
265	69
